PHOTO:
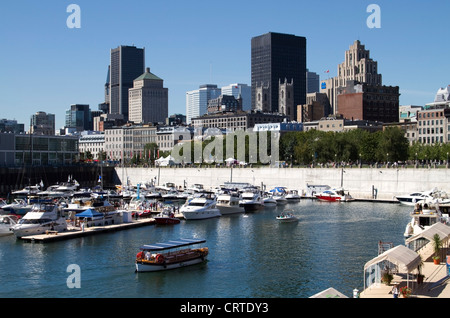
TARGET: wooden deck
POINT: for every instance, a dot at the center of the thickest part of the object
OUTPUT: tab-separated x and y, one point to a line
75	232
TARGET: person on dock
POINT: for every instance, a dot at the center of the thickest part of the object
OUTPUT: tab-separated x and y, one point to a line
395	291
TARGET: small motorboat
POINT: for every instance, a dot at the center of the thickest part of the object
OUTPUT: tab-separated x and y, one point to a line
269	201
287	217
292	196
166	217
334	195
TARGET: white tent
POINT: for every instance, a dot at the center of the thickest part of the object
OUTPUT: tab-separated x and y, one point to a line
329	293
438	228
404	258
169	160
230	161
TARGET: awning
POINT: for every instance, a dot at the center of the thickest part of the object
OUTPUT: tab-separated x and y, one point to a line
406	259
171	244
439	228
89	213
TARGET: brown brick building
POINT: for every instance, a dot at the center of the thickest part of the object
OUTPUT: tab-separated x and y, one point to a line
369	102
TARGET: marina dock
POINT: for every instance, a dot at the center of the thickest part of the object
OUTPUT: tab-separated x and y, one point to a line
76	232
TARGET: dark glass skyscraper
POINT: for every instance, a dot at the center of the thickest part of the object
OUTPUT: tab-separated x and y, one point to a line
275	57
127	64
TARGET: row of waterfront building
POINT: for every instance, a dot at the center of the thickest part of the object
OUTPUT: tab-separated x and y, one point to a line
427	125
283	96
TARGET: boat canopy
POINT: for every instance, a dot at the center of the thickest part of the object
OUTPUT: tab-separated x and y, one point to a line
171	244
89	213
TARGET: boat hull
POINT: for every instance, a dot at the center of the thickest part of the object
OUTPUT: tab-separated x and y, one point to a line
5	232
201	215
166	220
251	207
225	209
287	219
21	230
154	267
328	198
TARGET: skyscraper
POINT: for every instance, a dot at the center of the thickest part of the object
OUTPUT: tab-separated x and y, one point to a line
357	66
275	57
148	99
127	64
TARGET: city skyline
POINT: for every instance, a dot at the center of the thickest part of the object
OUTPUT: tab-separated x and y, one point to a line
186	47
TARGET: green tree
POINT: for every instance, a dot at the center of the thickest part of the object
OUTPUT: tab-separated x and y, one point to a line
393	145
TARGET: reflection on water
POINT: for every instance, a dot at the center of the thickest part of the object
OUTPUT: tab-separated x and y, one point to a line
251	255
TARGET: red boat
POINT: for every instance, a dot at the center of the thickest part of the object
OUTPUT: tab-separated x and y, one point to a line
166	217
334	195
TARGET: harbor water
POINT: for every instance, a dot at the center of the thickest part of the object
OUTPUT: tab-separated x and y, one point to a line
250	256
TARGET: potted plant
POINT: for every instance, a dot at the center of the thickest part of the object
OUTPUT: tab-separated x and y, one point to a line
405	291
437	244
387	277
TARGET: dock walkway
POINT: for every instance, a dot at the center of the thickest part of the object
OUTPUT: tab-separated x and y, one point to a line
75	232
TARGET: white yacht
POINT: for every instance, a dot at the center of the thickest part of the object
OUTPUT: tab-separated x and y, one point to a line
53	192
19	206
425	214
292	196
228	203
6	222
279	195
201	206
251	200
41	218
412	198
269	201
27	191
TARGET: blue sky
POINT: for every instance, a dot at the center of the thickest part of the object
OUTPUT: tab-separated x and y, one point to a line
46	66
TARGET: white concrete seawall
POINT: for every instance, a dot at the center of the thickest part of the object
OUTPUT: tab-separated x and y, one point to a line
358	181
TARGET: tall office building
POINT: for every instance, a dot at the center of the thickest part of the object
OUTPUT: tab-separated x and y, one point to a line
357	66
312	82
127	64
197	100
275	57
148	99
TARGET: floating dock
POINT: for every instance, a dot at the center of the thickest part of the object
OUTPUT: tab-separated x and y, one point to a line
75	232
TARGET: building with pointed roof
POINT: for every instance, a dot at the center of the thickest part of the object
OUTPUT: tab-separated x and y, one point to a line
148	99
